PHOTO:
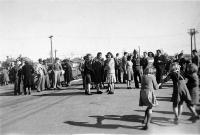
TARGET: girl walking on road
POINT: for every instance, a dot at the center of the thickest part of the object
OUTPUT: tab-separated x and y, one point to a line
147	96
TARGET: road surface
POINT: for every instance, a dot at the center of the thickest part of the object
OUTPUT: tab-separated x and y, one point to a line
69	111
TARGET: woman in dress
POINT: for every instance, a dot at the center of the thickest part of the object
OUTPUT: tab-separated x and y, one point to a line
5	76
147	96
110	72
129	71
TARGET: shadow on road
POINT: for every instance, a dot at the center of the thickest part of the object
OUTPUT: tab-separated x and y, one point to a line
127	118
99	123
163	98
62	94
165	112
10	93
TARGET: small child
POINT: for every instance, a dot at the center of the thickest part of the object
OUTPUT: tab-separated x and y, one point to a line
180	92
129	71
193	83
110	72
147	96
88	72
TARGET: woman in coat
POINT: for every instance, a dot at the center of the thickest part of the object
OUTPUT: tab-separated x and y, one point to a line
68	72
27	73
98	67
147	96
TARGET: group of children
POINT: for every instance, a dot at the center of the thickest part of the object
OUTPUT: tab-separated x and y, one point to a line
182	91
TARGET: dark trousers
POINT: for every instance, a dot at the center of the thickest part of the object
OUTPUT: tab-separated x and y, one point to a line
117	75
83	77
137	74
159	73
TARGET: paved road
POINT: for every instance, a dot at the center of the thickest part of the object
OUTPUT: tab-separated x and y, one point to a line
69	111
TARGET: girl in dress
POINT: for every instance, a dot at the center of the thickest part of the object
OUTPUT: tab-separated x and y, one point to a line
193	83
147	96
110	72
129	71
180	93
150	59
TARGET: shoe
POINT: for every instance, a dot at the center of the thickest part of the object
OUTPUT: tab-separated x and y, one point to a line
99	92
145	127
176	121
89	93
195	118
110	92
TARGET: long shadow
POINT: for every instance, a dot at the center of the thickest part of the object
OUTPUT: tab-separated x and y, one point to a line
127	118
163	98
62	94
10	93
99	120
166	112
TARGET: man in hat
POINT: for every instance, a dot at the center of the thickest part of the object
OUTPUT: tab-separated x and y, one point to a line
57	68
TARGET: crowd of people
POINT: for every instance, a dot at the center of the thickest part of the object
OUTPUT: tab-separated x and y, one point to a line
27	76
147	73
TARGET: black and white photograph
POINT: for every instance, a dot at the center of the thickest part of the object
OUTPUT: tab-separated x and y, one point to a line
99	67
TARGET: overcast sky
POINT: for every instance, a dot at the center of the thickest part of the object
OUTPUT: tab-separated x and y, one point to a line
82	26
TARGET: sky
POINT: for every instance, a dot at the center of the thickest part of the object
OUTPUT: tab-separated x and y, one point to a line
90	26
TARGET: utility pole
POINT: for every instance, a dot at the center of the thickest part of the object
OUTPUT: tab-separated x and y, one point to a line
51	48
192	33
55	53
195	32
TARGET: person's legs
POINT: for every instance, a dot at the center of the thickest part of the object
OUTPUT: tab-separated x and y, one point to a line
55	79
176	112
193	110
121	77
88	88
136	79
127	84
116	75
145	116
148	117
180	108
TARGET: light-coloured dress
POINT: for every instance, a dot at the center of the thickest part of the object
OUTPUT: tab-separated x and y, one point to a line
110	70
129	69
147	95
